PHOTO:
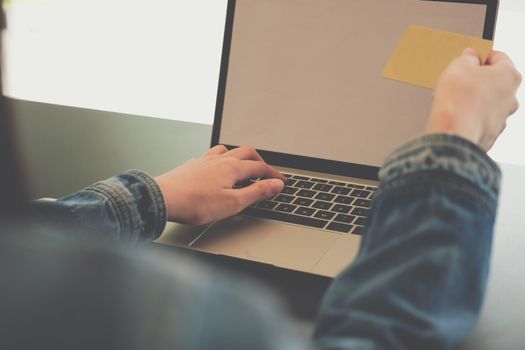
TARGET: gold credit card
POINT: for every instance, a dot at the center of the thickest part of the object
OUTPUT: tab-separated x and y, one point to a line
423	53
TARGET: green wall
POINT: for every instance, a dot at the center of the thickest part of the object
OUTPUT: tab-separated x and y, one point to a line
65	148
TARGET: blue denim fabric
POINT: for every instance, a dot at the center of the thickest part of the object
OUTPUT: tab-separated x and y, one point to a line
418	282
420	277
128	208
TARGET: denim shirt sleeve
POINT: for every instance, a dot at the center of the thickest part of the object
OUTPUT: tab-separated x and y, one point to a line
128	208
420	276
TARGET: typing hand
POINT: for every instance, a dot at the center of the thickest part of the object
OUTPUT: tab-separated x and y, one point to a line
201	190
473	100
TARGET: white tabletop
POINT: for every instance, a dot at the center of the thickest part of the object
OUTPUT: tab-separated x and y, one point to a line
503	315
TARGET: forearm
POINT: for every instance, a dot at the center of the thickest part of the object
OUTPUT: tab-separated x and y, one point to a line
128	208
420	277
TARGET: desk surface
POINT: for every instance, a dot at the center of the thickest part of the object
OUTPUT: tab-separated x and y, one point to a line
503	316
93	145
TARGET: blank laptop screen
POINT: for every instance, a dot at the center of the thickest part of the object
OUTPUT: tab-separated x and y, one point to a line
304	76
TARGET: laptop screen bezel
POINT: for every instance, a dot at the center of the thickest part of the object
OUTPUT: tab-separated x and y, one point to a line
304	162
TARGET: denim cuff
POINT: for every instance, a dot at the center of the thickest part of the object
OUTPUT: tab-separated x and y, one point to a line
444	153
138	204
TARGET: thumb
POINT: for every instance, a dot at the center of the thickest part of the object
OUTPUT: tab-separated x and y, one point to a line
471	55
259	191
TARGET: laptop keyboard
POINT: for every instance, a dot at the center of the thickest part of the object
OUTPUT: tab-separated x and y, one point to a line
320	203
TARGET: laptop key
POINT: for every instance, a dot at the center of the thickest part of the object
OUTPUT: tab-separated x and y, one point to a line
298	177
363	203
319	181
325	196
326	215
346	219
283	198
287	208
336	226
290	190
337	183
360	221
290	182
322	205
341	190
370	188
360	211
360	187
305	202
304	184
305	211
306	193
284	217
267	205
343	209
344	200
323	187
358	230
361	193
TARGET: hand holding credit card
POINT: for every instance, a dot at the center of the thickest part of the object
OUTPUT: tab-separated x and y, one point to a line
423	53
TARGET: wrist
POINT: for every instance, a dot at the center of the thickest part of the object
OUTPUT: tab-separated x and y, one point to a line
449	121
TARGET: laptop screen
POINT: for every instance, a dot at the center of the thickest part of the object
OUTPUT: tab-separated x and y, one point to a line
304	77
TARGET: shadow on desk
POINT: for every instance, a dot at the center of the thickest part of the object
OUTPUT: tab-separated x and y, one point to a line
301	292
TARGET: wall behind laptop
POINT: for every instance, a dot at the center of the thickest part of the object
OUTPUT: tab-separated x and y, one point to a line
511	21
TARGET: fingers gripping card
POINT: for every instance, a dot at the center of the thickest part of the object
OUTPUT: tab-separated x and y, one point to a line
422	54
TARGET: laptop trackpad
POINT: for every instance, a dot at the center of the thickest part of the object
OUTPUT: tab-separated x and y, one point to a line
284	245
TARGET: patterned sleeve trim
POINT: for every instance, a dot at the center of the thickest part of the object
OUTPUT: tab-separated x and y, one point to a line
138	204
447	153
159	210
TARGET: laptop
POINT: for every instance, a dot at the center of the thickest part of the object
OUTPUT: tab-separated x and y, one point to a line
301	82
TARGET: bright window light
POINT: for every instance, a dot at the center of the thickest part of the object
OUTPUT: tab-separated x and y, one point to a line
157	58
511	21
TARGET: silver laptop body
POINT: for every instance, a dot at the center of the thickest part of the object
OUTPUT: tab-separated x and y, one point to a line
301	81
